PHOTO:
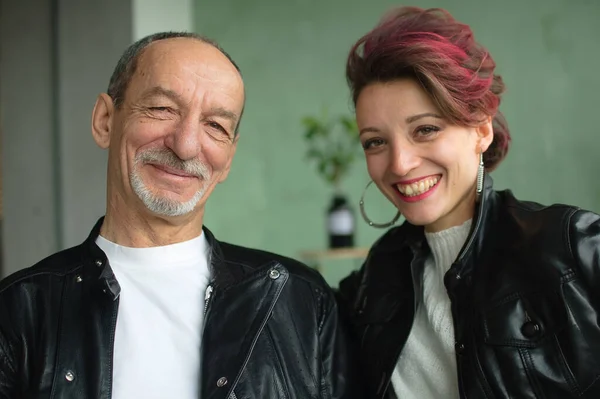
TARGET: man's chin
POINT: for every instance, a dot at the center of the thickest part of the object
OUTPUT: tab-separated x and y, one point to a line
167	207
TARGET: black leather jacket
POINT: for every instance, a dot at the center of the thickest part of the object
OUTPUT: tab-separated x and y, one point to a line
525	294
58	318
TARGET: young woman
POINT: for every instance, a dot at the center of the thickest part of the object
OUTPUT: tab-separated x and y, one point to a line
477	294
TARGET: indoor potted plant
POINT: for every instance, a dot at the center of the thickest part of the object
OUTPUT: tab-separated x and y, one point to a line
333	145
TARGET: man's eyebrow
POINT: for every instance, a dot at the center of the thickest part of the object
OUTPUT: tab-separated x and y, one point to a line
223	113
161	91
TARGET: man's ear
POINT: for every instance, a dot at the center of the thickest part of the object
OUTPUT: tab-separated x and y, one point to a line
231	154
485	133
102	118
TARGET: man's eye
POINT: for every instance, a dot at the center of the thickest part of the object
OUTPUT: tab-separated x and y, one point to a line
219	127
215	125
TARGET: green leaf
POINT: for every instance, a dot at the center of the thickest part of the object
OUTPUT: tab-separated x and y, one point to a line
332	143
314	153
310	121
349	124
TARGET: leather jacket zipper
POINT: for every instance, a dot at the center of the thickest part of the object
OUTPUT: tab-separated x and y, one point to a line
209	291
256	335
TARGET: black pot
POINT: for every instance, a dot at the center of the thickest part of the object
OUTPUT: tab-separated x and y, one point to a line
341	222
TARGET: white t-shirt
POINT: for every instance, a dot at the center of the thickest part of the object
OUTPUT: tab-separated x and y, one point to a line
160	319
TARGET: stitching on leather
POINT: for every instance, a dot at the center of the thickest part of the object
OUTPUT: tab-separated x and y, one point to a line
6	359
567	238
482	387
27	276
278	290
59	328
486	330
534	207
271	343
304	352
514	343
277	262
591	385
528	365
323	385
565	369
483	383
256	273
579	390
504	300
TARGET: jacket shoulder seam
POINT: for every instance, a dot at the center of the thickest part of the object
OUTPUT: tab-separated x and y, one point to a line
535	207
26	274
568	240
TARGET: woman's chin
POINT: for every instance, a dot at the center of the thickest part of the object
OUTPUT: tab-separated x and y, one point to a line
419	218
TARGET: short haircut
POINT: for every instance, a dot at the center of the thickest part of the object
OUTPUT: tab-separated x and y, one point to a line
127	65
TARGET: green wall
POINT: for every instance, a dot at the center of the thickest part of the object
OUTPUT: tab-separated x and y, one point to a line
292	56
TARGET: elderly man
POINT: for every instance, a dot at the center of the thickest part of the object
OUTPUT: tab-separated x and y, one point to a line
151	305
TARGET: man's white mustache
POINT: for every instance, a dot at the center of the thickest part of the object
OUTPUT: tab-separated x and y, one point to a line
168	158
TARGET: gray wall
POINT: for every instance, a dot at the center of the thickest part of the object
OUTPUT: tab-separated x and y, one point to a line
26	104
91	36
55	57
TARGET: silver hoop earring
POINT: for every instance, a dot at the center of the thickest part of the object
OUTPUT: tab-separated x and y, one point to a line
366	218
480	174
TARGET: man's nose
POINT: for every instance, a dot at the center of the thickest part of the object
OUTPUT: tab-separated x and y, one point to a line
185	141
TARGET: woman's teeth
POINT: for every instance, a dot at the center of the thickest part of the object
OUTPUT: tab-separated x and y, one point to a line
417	188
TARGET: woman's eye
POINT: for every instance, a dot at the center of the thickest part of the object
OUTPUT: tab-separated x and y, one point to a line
428	130
372	143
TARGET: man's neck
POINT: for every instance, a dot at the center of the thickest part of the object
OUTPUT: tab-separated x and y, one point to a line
132	229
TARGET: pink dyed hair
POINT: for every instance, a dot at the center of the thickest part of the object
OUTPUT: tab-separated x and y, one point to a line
440	53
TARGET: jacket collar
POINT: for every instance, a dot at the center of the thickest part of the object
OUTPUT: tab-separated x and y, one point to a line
384	279
414	237
484	216
95	265
98	267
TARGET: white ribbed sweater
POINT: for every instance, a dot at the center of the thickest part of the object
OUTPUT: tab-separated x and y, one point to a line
427	365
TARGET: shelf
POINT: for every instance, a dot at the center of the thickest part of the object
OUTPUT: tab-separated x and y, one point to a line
337	253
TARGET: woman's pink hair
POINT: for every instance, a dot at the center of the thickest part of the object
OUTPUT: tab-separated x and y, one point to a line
440	53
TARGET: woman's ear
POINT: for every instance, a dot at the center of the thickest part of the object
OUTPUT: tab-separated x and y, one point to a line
102	118
485	133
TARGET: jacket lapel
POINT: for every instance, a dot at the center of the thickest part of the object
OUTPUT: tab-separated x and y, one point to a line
237	312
